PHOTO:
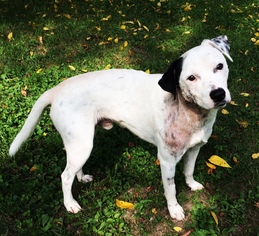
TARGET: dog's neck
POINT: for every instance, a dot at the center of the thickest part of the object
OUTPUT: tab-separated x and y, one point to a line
183	119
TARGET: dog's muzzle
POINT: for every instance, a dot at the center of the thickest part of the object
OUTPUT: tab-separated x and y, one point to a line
218	97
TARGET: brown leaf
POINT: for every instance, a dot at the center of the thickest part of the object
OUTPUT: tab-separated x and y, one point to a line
188	232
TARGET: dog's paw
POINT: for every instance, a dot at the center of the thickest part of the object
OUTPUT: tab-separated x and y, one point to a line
176	212
195	186
86	178
73	207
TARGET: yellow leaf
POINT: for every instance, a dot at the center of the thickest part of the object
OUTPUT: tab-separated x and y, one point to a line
72	68
126	205
235	160
33	168
125	44
154	211
40	39
123	27
211	166
253	40
243	123
233	103
39	70
216	160
139	24
147	71
45	28
214	217
10	36
31	53
245	94
107	67
146	28
84	70
224	112
246	104
106	18
187	32
67	16
116	40
109	39
128	22
177	229
167	30
255	155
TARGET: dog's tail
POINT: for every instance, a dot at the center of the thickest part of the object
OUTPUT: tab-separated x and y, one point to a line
31	122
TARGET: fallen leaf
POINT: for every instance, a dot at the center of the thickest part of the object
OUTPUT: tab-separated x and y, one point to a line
146	28
214	217
157	162
216	160
245	94
23	92
126	205
39	70
72	68
125	44
33	168
256	204
10	36
177	229
224	112
67	16
40	39
211	166
255	155
147	71
154	211
243	123
106	18
188	232
235	160
233	103
123	27
45	28
107	67
116	40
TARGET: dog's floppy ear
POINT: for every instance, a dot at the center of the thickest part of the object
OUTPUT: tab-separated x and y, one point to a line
221	43
170	80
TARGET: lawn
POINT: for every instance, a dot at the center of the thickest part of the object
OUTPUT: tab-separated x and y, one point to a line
44	42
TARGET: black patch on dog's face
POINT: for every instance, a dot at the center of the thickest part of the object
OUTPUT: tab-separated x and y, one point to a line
170	80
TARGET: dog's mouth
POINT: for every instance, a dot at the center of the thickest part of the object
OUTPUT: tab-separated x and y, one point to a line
220	104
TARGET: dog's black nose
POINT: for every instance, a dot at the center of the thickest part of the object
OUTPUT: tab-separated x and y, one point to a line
218	95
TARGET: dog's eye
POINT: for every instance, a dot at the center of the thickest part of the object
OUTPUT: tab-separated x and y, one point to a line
219	66
191	78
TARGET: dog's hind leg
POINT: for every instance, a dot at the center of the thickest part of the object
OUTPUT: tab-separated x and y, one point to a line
78	147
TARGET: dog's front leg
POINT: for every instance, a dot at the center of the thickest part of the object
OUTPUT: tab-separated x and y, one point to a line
167	165
189	164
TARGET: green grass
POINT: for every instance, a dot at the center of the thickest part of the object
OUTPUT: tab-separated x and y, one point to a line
53	35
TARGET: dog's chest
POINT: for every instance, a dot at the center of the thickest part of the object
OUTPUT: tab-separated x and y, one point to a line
185	129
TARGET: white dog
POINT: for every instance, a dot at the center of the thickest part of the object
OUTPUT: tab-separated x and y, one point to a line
174	111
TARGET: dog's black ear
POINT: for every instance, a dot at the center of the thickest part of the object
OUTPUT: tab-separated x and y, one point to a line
170	80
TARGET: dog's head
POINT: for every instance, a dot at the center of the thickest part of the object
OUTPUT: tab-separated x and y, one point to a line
201	74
